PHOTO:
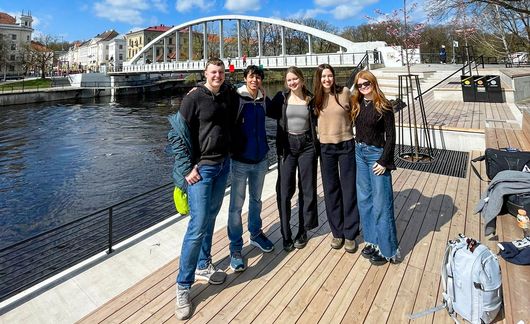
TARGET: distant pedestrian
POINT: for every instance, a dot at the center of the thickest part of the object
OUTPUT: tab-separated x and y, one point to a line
376	56
229	61
244	59
443	55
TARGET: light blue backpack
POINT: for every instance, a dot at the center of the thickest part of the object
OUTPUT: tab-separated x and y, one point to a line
471	279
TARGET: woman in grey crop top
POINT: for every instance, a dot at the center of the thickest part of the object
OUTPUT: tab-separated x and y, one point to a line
297	151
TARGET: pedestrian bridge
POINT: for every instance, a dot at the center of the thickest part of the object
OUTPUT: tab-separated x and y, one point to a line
267	42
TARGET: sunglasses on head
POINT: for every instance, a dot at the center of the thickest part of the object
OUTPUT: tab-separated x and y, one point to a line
365	84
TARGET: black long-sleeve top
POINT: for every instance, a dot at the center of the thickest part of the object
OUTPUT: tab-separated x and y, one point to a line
374	129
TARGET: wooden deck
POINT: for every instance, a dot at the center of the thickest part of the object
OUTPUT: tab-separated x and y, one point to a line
467	116
318	284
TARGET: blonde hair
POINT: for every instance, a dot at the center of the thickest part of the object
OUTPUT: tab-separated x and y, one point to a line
380	103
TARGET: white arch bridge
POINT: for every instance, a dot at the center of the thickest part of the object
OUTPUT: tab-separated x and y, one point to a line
178	48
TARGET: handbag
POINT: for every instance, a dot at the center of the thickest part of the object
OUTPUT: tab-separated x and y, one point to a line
498	160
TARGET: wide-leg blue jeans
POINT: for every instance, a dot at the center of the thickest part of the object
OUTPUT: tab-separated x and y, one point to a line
205	198
376	201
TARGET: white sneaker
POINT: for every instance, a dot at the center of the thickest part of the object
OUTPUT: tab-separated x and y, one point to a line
183	305
211	275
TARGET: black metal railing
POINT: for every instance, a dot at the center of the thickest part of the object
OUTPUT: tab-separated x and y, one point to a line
363	63
462	69
42	256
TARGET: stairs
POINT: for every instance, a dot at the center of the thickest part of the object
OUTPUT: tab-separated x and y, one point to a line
388	79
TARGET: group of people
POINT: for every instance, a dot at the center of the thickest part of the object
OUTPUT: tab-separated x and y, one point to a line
220	130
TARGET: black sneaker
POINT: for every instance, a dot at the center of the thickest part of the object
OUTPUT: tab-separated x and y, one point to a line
368	251
288	246
300	241
378	259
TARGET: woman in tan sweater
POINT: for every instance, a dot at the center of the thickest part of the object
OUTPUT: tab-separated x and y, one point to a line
335	130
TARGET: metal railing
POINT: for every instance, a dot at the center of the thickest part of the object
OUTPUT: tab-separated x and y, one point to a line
42	256
363	63
462	69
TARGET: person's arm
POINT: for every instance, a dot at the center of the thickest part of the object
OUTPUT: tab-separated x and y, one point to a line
387	158
274	106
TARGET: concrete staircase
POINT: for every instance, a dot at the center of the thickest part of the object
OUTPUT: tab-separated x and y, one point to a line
389	84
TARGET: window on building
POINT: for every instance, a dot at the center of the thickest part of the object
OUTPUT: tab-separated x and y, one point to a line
106	57
13	47
121	46
12	57
121	57
11	68
13	36
170	41
148	39
107	47
140	39
27	38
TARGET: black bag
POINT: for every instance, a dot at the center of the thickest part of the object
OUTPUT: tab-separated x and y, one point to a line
517	201
503	159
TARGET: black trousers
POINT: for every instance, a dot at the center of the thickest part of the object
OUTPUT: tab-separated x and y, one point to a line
301	156
338	179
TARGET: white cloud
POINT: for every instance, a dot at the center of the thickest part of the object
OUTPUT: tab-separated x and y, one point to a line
345	11
339	10
187	5
308	13
127	11
242	5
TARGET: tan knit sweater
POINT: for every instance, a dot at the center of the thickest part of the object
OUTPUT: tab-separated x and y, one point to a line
334	121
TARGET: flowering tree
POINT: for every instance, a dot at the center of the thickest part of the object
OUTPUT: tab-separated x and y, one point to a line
404	35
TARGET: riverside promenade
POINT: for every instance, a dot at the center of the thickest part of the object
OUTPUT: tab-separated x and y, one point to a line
136	284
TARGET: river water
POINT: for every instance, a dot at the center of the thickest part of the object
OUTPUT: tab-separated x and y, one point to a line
62	161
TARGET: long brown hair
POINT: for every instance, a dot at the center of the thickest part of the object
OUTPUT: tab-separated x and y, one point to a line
296	71
319	89
380	103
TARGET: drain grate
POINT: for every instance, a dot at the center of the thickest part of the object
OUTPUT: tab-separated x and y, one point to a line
446	162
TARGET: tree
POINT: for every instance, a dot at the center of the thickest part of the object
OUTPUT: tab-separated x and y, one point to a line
4	55
40	55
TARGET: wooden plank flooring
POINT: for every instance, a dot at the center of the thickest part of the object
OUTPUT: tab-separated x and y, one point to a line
318	284
465	116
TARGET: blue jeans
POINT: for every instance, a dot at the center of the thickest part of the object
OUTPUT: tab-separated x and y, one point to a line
376	201
255	173
205	198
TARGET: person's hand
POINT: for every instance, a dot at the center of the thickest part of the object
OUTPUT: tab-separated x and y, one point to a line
194	176
378	169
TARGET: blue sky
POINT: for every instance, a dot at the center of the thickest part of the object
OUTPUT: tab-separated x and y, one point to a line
80	19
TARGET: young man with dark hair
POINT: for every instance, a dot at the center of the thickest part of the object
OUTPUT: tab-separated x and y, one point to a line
200	140
249	162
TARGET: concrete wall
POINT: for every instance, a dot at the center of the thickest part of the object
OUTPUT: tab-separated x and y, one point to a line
522	88
26	97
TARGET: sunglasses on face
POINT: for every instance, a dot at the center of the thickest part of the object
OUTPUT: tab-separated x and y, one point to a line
363	85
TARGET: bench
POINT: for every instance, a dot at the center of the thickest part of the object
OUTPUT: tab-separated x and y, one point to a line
515	278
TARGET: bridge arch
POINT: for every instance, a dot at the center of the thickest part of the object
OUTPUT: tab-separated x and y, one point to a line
343	43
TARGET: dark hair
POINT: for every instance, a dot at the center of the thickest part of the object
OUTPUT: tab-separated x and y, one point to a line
318	89
298	72
253	69
214	61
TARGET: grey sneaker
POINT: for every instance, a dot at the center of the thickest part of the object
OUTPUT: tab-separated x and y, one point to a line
210	274
337	243
183	305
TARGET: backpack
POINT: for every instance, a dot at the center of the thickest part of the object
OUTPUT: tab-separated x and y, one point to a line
471	279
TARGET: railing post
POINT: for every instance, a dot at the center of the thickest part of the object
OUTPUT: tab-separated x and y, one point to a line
110	231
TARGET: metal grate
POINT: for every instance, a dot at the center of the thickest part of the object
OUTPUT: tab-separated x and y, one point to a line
446	162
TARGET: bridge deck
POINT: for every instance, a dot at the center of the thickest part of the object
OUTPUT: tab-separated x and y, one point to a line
317	283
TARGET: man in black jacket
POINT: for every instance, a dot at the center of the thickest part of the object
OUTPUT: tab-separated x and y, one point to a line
207	113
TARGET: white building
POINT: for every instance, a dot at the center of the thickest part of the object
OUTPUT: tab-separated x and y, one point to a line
117	51
14	36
